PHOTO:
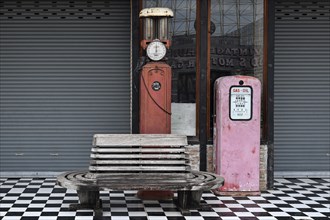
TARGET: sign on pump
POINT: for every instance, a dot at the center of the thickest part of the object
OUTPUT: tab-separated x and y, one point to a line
240	103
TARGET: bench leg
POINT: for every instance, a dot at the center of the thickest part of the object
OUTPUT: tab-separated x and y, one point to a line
89	200
188	200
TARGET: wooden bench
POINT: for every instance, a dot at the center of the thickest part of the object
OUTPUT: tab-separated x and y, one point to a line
139	162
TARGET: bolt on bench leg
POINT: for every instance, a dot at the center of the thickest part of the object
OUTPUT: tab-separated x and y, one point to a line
188	200
89	200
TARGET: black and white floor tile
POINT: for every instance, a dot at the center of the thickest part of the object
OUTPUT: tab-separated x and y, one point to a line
40	198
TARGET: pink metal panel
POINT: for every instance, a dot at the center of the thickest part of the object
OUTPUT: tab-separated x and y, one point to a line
237	138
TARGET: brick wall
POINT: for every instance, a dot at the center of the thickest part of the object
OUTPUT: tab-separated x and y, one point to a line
263	167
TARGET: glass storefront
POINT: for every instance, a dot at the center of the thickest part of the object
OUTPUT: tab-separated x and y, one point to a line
182	58
236	39
236	46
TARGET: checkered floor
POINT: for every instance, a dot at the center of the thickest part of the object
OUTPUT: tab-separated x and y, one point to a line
40	198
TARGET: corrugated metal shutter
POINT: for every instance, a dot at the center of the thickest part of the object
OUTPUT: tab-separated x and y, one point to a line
302	103
65	75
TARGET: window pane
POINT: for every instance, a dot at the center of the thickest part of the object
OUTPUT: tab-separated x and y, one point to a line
236	39
182	58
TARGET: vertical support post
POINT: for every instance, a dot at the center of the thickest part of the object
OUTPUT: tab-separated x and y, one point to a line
89	200
268	131
189	200
203	54
135	53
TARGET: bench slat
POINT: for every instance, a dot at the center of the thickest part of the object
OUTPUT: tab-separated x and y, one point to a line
137	168
197	180
143	179
138	150
139	156
134	181
139	140
128	175
138	162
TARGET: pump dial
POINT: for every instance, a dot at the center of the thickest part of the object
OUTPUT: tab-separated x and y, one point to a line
156	50
156	86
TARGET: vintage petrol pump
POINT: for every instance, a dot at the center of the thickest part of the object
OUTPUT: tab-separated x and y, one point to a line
155	81
156	75
237	134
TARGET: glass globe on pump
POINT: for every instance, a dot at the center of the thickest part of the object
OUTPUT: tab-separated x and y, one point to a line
156	39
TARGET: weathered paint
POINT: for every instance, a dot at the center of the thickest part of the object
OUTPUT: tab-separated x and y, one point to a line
155	110
237	143
183	120
155	105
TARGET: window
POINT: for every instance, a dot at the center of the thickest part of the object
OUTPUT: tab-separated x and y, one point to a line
182	58
236	40
235	47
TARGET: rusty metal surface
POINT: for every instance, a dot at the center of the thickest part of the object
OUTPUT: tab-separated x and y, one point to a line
155	105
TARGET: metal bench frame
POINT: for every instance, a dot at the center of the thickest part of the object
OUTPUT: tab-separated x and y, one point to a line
139	162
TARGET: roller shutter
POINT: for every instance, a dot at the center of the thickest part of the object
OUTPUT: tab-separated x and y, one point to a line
65	75
301	99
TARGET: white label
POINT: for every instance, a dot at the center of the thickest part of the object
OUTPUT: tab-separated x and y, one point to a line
183	119
240	103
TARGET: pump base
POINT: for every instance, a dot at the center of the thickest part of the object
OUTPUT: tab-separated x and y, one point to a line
154	195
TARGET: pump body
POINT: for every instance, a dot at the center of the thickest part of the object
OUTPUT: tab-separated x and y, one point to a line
237	134
155	98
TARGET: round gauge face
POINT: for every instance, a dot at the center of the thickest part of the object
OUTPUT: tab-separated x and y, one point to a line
156	50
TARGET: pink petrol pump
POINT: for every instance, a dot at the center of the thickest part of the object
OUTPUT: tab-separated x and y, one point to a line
237	134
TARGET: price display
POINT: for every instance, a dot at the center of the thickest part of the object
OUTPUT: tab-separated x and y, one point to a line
240	102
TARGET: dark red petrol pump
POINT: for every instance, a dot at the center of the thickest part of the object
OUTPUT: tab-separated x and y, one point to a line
156	75
155	81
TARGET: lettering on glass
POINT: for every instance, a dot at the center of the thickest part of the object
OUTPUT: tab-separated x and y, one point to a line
240	102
